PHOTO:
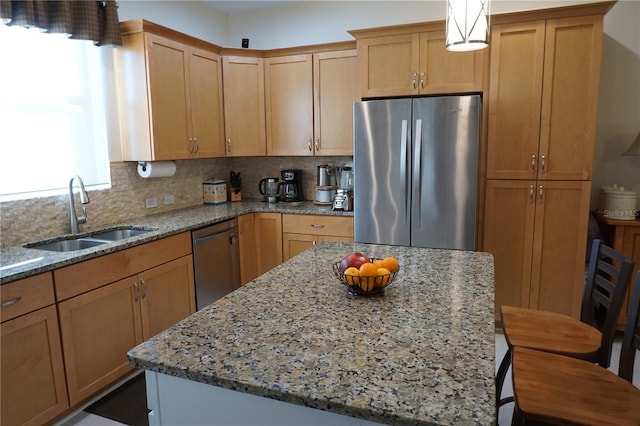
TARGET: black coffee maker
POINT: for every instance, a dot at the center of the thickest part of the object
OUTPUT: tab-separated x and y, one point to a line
291	185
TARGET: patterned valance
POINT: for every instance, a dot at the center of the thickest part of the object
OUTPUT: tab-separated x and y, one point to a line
80	19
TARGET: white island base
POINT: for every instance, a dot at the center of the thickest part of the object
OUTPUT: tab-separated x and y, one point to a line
176	401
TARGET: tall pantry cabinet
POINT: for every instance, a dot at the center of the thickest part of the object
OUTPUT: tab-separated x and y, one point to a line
542	105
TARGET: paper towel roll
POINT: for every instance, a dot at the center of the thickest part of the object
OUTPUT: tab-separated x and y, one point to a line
147	169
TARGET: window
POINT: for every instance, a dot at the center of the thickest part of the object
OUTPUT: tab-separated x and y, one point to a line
52	114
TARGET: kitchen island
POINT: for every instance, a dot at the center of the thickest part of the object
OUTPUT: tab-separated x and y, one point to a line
293	347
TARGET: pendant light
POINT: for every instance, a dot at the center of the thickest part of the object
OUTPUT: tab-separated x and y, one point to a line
467	25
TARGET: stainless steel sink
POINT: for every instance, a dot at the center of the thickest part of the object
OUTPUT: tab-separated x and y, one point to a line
72	242
68	245
119	233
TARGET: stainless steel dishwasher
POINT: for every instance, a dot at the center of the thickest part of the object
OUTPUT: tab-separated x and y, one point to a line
216	261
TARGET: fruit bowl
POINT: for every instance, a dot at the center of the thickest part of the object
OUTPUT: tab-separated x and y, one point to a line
364	286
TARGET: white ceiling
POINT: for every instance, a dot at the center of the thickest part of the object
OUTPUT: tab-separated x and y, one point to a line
237	6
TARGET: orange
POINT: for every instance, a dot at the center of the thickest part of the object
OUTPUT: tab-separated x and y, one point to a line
378	263
368	270
391	263
352	276
384	275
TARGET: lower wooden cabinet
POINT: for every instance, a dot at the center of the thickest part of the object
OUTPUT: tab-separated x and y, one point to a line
537	233
268	241
248	248
33	382
100	326
299	232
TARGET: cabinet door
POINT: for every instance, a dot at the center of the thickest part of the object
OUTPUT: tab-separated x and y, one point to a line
335	90
167	295
289	105
515	90
389	65
442	71
268	240
33	383
98	328
293	244
244	115
248	249
205	101
508	236
559	246
168	86
571	73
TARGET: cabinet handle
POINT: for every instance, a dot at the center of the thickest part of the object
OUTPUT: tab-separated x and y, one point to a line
422	80
317	225
11	302
144	288
313	242
533	164
317	143
233	239
137	289
309	144
195	146
540	193
543	163
229	144
531	191
414	76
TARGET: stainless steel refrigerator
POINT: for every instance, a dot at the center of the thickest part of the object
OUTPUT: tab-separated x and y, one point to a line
416	171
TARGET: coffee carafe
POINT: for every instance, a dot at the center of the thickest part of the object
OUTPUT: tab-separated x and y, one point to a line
291	185
268	187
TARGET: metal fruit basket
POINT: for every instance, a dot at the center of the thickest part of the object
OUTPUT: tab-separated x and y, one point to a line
364	286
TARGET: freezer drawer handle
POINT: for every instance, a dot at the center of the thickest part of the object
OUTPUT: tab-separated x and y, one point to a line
11	302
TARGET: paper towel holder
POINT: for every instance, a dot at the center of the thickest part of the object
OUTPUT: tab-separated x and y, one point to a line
155	169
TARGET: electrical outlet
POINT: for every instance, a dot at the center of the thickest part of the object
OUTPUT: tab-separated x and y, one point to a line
151	203
169	199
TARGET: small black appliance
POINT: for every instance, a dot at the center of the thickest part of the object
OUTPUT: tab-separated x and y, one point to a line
291	185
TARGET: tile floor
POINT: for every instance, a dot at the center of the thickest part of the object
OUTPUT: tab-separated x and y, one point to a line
504	418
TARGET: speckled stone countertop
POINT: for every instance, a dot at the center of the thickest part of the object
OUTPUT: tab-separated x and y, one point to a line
421	354
19	262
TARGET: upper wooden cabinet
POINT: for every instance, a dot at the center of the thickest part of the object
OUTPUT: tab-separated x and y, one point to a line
309	100
244	115
170	96
413	60
543	98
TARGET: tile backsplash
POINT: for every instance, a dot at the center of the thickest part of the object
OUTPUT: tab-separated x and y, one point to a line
23	221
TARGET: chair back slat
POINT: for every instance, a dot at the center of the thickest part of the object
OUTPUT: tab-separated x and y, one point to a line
605	290
631	336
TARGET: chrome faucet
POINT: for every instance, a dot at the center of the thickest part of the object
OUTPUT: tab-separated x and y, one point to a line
84	199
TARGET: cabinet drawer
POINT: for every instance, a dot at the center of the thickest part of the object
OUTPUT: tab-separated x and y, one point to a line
341	226
26	295
88	275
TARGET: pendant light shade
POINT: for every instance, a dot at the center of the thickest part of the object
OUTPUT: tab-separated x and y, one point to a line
467	25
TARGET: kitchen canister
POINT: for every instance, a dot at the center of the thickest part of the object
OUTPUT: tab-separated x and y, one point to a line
214	191
618	203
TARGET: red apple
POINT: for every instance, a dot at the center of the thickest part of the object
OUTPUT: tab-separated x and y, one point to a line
355	259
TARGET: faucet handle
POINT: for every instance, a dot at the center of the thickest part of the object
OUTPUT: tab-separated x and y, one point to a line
83	218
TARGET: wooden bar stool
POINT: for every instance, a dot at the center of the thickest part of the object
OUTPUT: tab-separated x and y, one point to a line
555	389
589	338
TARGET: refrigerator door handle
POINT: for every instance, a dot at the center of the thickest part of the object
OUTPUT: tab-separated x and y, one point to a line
417	168
404	170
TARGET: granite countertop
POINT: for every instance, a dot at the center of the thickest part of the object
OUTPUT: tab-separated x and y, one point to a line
421	354
18	262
